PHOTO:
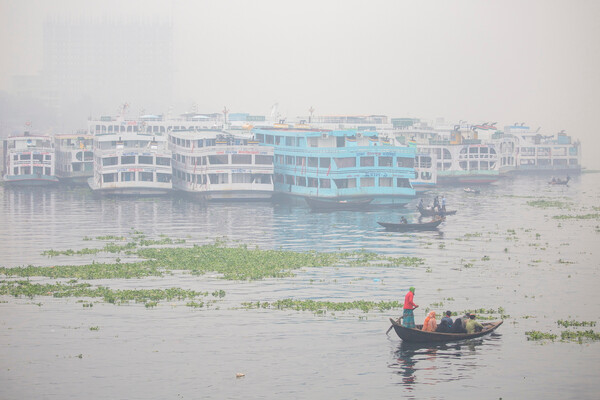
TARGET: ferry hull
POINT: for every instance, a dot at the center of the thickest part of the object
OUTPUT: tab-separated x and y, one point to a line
30	180
128	190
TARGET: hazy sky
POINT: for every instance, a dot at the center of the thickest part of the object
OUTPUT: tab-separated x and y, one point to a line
536	62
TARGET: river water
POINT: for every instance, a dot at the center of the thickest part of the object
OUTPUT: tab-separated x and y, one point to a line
497	251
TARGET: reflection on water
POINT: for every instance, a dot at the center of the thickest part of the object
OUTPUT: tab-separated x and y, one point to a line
430	364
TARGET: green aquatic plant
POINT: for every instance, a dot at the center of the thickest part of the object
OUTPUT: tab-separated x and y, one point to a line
548	204
579	336
572	322
314	305
537	335
88	271
584	216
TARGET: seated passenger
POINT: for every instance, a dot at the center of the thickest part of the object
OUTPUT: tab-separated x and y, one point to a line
430	324
457	326
446	324
472	325
403	220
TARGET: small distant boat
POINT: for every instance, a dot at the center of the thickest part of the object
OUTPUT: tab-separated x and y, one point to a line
559	181
419	336
324	204
425	226
471	190
430	212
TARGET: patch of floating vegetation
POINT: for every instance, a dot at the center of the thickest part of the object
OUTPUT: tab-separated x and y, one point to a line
537	335
568	335
583	216
571	323
234	263
548	204
114	248
74	289
321	306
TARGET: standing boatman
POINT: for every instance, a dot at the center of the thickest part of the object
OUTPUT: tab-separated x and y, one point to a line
408	317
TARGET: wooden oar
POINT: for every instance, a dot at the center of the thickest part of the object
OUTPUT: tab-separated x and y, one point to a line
390	328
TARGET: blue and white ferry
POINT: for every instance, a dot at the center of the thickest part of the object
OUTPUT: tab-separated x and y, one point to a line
339	165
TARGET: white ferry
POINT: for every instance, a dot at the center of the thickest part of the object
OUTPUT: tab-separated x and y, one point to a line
218	165
524	151
74	157
135	163
29	160
425	172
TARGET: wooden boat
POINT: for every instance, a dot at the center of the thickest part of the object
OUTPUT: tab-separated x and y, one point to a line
419	336
430	212
559	181
471	190
426	226
323	204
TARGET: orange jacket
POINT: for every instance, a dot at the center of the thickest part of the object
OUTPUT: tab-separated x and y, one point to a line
430	324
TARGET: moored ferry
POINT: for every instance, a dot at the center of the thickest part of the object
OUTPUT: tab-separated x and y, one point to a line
526	151
135	163
344	165
425	172
74	157
218	165
29	160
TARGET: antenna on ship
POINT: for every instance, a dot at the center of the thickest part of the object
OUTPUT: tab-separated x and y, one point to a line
225	112
311	110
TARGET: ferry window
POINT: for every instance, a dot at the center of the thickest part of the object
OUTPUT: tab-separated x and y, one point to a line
289	160
403	183
211	142
88	156
313	142
107	178
264	160
346	162
325	162
560	161
473	150
313	162
127	176
47	157
289	180
38	157
109	161
25	157
146	176
146	160
447	155
405	162
483	150
312	182
218	159
340	141
483	165
26	170
163	161
367	161
47	171
16	157
386	182
127	159
240	178
473	165
241	159
325	183
345	183
367	182
289	141
38	170
301	181
188	143
385	161
16	171
216	179
260	137
426	176
573	161
277	140
200	143
79	156
261	178
492	151
269	139
164	178
300	160
463	165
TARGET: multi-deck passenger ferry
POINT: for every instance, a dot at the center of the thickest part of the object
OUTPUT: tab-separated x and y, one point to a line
29	160
217	165
339	164
74	157
524	151
131	163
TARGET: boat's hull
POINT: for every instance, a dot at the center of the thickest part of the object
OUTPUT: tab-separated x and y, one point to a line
30	180
427	226
419	336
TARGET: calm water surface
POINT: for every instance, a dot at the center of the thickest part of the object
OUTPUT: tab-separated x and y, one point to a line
539	270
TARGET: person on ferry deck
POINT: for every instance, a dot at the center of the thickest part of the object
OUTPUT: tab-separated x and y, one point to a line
408	317
430	324
446	323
